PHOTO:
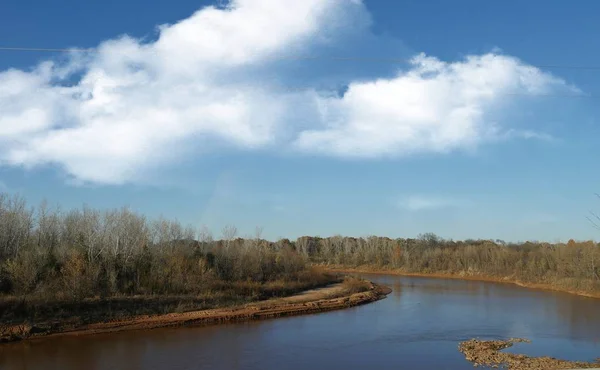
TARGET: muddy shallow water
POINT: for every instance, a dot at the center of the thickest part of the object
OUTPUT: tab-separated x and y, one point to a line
418	326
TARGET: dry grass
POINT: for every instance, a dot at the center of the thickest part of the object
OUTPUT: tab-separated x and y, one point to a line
333	297
355	285
37	312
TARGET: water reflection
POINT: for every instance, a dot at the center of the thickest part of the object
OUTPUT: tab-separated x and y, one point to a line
418	326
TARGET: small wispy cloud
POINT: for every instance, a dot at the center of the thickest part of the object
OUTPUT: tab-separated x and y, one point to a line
540	218
278	208
529	134
424	202
3	186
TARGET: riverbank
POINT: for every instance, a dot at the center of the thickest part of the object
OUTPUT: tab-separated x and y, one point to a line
332	297
367	269
488	353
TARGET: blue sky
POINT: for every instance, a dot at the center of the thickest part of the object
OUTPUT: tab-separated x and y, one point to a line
475	134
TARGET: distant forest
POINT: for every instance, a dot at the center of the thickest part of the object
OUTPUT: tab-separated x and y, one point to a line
53	254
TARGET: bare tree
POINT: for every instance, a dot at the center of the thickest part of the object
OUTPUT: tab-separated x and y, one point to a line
16	224
229	232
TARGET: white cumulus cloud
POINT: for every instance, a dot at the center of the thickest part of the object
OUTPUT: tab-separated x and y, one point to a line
432	107
129	106
135	104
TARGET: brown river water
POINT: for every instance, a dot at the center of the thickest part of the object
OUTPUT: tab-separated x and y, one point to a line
418	326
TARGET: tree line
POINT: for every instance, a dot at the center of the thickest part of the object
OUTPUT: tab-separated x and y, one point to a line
85	253
572	265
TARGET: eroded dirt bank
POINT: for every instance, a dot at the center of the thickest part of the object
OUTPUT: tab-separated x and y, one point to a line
505	280
333	297
488	353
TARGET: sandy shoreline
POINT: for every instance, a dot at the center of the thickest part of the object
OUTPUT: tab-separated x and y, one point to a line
333	297
489	353
506	280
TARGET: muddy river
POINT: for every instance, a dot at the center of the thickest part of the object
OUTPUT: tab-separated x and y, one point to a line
418	326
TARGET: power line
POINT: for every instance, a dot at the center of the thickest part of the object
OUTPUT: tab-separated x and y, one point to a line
51	50
337	58
300	57
552	95
332	89
532	95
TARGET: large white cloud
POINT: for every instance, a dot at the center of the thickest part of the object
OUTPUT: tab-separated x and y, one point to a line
433	106
111	114
136	105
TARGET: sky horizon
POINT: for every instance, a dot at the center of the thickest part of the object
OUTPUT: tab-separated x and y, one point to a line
471	120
